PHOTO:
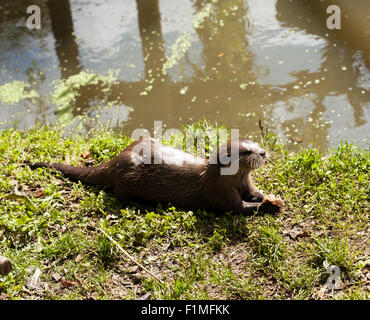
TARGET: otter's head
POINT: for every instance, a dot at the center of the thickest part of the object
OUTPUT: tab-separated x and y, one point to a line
251	156
239	156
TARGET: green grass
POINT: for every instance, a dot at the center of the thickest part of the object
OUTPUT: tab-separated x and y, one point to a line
197	254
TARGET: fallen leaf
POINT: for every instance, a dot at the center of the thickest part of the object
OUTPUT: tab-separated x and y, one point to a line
86	154
145	296
39	193
133	269
221	54
294	234
71	283
56	276
34	281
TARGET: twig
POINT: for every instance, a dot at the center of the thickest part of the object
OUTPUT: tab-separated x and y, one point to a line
129	256
260	123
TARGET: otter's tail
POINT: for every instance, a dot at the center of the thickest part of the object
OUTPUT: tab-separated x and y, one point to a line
89	175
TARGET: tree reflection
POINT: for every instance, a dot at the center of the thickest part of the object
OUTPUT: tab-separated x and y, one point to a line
334	58
65	43
224	80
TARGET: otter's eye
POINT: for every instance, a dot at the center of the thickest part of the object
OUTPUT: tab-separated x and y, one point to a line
247	153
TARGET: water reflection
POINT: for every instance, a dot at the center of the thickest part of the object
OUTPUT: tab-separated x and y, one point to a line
343	63
65	43
233	61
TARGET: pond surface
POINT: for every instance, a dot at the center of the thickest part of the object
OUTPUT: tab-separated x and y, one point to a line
232	62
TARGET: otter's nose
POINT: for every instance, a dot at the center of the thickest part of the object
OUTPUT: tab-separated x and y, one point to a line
263	153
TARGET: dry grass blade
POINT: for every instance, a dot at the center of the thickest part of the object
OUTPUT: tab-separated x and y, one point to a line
129	256
261	126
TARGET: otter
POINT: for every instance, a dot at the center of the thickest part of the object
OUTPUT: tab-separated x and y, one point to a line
187	181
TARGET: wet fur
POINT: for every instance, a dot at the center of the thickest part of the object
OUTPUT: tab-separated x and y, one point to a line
192	184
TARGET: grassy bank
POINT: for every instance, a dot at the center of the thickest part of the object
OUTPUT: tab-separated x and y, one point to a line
198	255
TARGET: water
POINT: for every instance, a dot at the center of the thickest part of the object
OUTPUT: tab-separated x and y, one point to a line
231	62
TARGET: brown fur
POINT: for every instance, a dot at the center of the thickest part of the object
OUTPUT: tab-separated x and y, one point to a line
193	184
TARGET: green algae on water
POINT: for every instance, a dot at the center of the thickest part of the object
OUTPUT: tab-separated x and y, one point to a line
183	42
66	91
13	92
